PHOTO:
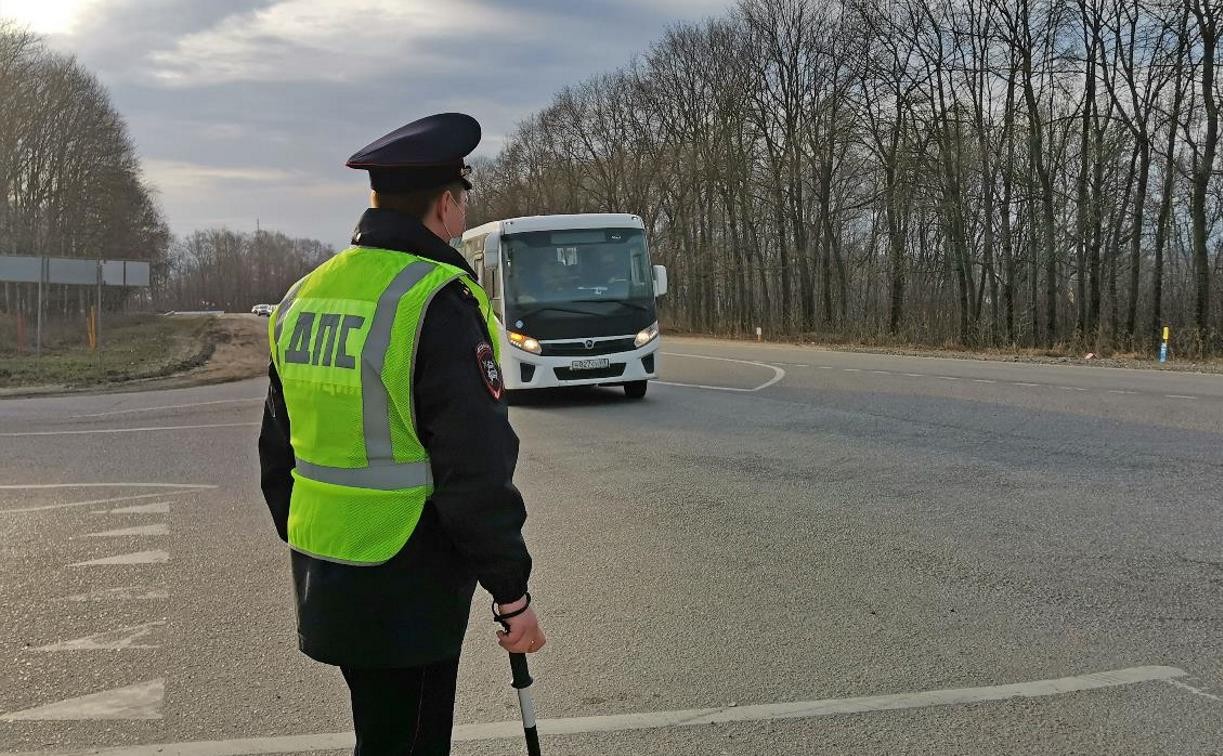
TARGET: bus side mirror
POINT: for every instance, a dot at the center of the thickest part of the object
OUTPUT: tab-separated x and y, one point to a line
492	251
660	280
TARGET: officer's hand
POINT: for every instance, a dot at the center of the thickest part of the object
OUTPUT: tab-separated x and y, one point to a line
525	635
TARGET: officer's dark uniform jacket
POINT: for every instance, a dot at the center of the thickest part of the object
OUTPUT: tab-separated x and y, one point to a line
413	610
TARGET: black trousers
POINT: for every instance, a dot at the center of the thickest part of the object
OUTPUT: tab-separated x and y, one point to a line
403	712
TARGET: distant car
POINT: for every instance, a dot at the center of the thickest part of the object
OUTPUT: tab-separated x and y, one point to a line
263	310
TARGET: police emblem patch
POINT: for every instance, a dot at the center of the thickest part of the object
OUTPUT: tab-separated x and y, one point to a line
489	371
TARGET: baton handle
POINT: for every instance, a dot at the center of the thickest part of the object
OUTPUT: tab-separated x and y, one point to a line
522	683
522	675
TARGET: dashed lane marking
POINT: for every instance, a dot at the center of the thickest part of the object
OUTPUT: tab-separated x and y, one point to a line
157	529
44	486
128	593
96	431
158	507
111	500
121	639
139	557
141	701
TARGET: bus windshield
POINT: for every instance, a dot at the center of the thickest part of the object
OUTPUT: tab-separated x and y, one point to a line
577	267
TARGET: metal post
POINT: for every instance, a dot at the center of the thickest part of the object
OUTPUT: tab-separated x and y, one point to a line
97	323
1163	348
42	276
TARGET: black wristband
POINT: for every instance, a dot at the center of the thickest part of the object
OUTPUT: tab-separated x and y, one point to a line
502	618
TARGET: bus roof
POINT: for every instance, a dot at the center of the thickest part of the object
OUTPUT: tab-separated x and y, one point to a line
556	223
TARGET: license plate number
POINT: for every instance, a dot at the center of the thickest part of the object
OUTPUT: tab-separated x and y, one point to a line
590	364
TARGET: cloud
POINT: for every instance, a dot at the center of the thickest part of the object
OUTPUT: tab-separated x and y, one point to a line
249	108
321	40
178	174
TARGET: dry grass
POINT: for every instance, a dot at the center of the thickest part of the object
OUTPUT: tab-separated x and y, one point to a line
153	350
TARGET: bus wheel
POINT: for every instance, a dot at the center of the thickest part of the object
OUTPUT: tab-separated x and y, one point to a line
635	389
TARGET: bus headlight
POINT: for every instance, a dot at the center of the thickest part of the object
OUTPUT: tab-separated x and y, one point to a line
524	342
646	336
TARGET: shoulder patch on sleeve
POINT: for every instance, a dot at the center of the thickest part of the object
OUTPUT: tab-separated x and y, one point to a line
490	372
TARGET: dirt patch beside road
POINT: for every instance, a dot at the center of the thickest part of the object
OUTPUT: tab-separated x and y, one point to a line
144	352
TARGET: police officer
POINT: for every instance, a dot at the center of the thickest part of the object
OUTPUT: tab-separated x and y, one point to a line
386	450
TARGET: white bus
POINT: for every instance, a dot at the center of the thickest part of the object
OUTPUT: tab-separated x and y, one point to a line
575	298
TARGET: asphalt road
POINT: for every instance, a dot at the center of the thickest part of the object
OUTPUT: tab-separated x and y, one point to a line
820	552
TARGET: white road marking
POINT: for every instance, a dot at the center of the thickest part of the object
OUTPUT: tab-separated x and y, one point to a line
825	367
982	380
1193	690
113	640
661	719
168	407
851	370
1029	385
43	486
142	701
915	375
93	502
1179	396
158	529
126	430
947	377
159	507
140	557
134	593
778	374
881	372
1118	391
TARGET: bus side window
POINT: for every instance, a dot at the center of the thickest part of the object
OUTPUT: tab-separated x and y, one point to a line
473	252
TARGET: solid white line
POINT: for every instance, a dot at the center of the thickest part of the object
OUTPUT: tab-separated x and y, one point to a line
166	407
125	430
778	374
660	719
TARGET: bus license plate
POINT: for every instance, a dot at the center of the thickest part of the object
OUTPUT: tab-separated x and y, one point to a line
590	364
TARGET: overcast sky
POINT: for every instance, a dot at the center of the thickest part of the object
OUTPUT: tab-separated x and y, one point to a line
247	109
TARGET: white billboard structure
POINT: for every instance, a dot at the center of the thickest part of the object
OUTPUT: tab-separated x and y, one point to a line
73	272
